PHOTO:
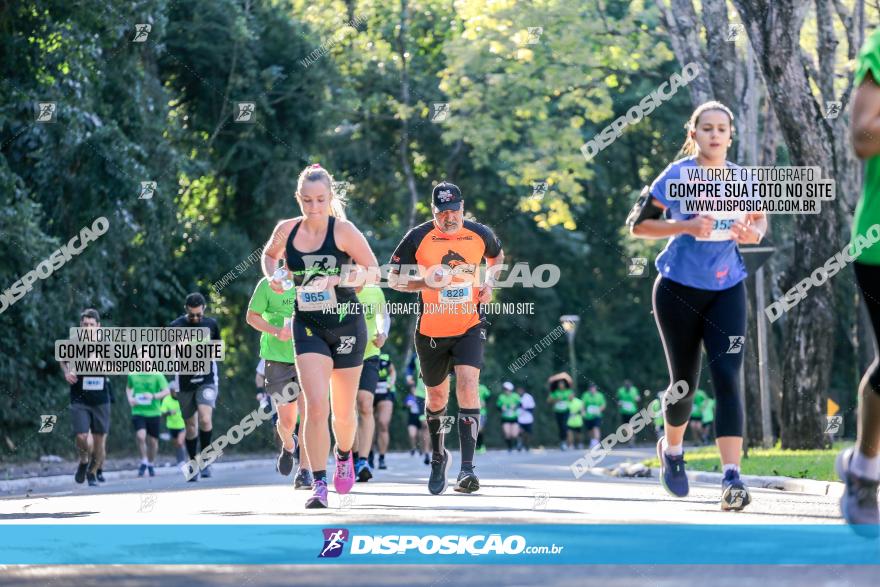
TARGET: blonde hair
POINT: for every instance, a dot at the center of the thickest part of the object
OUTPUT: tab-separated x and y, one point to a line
317	173
690	145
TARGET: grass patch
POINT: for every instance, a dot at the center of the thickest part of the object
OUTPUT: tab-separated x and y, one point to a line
800	464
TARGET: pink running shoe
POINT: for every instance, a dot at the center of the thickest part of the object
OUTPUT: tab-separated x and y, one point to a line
319	496
343	478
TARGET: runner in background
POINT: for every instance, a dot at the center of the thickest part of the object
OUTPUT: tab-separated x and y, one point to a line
594	400
559	387
485	394
657	409
383	406
708	419
416	425
378	325
174	424
197	394
508	405
145	392
575	423
525	417
696	420
270	313
627	402
90	399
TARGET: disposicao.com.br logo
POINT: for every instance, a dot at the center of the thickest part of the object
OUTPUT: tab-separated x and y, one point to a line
431	544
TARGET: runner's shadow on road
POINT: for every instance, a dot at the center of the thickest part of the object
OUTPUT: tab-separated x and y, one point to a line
59	515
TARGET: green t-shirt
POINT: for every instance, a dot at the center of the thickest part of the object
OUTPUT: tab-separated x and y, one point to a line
657	408
274	308
868	209
576	412
484	399
508	404
560	396
628	400
171	408
699	397
595	403
144	387
708	411
372	299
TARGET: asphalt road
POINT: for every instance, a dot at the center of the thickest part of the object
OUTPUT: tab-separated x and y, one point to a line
518	489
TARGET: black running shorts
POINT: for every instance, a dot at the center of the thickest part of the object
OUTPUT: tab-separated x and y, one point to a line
345	344
438	356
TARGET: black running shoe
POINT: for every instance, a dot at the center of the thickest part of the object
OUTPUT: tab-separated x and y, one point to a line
734	493
467	482
285	462
206	472
142	469
93	481
362	471
303	479
427	459
439	469
382	464
80	475
371	460
100	476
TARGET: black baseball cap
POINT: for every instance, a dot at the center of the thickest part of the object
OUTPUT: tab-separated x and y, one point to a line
446	196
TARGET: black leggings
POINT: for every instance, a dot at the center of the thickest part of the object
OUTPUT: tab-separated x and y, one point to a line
868	278
562	424
687	316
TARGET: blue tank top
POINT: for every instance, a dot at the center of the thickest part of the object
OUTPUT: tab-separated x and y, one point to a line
712	265
327	260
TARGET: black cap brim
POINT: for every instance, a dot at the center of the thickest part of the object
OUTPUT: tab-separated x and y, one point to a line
448	206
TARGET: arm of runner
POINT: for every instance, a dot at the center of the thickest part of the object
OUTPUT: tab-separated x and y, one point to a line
404	257
752	231
68	374
352	241
274	250
865	117
130	393
392	376
647	217
257	322
486	289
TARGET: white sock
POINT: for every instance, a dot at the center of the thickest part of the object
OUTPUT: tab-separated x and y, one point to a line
726	468
672	450
145	462
866	467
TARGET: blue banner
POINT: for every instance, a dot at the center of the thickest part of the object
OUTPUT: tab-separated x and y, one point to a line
416	544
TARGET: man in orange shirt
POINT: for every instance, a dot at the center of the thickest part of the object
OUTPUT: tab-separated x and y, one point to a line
441	260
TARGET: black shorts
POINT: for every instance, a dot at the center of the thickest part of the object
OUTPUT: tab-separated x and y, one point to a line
438	355
527	428
151	423
591	423
278	377
345	344
697	419
86	418
383	397
175	431
370	375
509	421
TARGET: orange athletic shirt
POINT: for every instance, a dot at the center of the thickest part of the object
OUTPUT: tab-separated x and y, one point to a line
461	253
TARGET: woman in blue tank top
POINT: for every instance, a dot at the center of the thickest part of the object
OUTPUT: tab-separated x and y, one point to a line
329	332
699	300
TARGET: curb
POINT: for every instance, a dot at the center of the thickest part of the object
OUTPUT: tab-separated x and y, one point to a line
808	486
16	486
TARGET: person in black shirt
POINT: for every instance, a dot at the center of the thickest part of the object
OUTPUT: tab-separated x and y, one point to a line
197	394
90	412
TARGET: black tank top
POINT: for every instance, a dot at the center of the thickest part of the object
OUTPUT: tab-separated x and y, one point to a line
327	260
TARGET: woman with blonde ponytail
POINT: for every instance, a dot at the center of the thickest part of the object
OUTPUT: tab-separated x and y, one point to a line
329	331
699	300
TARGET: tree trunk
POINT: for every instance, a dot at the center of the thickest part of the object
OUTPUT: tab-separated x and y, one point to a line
684	36
774	30
404	98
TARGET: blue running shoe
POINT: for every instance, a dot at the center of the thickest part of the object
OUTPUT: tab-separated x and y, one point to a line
142	469
734	493
672	475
